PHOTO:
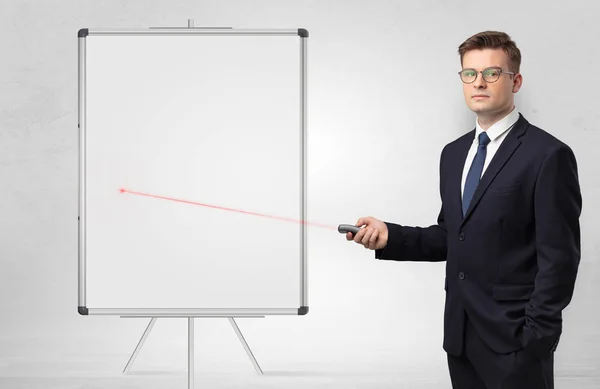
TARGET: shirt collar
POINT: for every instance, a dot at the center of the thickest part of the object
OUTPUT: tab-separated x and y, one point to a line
498	128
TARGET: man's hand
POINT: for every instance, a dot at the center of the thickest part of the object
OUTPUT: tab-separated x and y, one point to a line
374	234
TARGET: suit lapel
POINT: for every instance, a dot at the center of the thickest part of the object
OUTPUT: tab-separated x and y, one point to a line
457	171
504	152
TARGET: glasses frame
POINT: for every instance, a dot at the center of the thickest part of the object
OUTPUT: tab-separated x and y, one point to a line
481	71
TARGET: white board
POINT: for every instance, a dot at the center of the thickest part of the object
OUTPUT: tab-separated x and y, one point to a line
192	172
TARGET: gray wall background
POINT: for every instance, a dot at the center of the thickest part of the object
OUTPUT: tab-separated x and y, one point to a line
384	98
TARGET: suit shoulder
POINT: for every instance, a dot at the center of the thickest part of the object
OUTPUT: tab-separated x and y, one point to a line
467	137
460	141
543	140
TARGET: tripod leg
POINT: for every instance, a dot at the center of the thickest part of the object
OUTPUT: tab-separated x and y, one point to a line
248	351
139	345
190	352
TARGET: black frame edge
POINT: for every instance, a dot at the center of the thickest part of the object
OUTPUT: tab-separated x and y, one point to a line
82	310
303	310
303	32
83	32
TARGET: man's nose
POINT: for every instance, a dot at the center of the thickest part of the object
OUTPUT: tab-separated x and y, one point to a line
479	81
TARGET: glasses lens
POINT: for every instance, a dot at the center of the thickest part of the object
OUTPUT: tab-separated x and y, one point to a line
491	74
468	75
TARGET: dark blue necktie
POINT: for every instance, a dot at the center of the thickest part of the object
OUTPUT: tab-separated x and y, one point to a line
475	172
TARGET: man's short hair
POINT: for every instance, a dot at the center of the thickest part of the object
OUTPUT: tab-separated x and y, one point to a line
493	40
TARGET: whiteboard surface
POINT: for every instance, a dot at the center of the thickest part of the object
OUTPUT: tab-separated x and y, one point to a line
207	119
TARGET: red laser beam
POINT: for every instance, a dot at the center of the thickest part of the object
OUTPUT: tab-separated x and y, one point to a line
122	190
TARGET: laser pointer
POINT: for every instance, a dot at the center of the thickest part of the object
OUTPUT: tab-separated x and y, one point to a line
343	228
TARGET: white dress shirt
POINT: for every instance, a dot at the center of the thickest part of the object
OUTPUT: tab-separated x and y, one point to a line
497	132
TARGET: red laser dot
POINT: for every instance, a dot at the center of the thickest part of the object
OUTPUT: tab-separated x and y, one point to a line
122	190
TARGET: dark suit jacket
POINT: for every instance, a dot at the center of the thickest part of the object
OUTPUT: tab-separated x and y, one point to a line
512	261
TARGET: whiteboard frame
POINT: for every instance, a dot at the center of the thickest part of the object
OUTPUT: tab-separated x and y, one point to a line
81	126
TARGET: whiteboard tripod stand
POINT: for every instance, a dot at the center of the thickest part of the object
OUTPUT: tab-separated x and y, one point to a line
191	347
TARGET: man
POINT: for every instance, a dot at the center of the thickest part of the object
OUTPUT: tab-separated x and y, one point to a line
508	230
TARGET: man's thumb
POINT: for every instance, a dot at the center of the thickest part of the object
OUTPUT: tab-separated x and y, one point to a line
362	221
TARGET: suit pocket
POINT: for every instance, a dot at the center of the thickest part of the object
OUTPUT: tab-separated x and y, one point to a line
511	292
506	189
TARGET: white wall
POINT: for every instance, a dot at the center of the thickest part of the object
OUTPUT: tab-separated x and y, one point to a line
384	98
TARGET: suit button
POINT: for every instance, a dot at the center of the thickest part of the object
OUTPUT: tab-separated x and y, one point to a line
461	275
461	236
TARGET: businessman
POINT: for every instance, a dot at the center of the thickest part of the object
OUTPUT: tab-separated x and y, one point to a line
508	230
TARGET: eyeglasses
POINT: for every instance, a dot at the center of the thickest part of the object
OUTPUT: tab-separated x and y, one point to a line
468	76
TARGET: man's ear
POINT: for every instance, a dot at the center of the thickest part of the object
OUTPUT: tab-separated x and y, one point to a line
517	82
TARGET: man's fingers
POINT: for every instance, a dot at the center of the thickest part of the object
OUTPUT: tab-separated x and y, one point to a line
359	235
373	239
366	237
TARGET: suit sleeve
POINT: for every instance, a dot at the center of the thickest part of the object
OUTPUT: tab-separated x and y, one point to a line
417	243
557	207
